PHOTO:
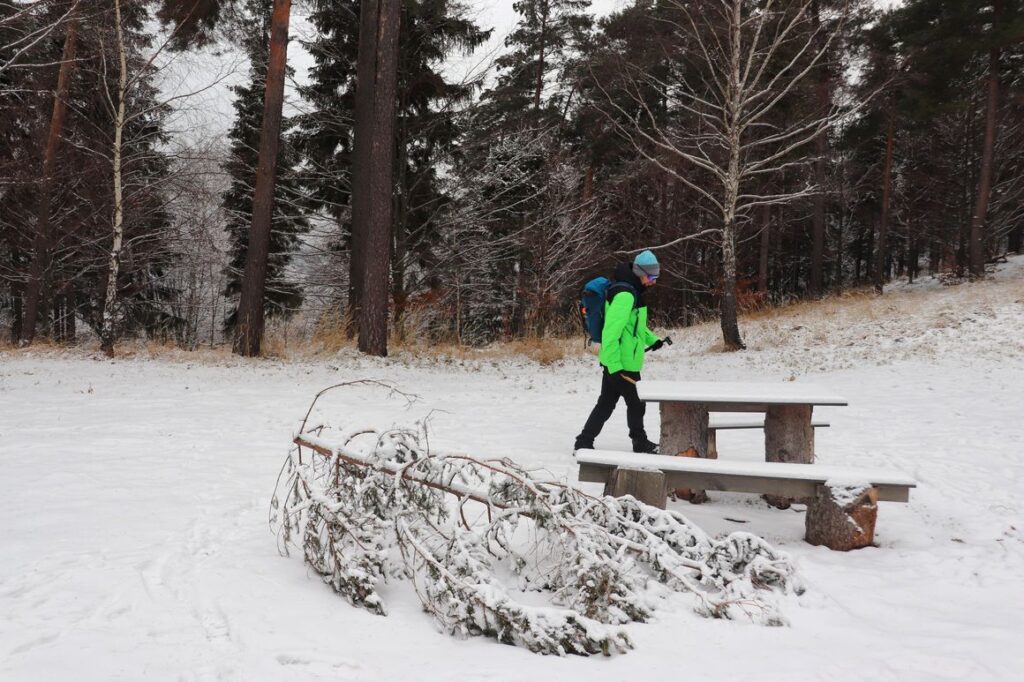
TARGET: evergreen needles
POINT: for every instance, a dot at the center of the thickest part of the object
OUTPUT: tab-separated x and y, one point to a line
366	506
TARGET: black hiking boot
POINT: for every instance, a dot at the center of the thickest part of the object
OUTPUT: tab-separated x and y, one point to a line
582	444
644	446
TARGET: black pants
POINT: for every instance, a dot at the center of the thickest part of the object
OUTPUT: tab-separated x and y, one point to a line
612	388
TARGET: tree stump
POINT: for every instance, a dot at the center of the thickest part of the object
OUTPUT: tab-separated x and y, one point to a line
842	516
646	485
684	433
788	437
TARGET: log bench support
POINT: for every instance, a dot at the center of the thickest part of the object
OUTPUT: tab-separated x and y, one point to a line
646	485
684	433
788	437
842	516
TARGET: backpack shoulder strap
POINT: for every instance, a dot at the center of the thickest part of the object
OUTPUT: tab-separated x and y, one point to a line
618	287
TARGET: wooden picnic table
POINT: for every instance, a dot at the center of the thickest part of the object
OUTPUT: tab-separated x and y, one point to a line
788	407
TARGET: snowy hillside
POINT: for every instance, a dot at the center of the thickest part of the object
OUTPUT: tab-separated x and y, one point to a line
136	544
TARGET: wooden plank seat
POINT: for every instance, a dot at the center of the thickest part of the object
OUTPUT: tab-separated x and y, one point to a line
842	501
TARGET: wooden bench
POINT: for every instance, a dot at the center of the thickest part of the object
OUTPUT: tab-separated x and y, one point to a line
842	501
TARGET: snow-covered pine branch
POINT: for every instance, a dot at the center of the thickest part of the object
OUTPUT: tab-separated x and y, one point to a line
367	506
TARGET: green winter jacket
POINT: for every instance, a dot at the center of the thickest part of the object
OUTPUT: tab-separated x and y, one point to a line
625	336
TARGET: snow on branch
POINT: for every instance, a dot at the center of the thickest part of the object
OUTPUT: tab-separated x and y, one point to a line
368	506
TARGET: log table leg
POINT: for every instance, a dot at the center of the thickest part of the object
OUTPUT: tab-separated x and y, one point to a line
788	437
684	432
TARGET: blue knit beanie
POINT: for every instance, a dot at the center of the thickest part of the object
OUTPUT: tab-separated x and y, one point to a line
646	263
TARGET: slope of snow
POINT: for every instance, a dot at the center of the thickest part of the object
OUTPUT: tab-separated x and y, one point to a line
135	542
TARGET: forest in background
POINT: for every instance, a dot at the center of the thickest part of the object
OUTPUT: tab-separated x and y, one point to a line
768	150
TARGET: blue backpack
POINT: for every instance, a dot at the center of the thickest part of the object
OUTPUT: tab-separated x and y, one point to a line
592	300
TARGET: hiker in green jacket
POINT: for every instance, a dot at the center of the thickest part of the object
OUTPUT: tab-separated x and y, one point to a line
624	340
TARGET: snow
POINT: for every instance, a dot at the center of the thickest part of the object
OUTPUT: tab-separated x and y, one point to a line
787	470
135	542
743	392
846	491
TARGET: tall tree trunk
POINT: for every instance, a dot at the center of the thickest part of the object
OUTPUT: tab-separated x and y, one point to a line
881	245
539	86
727	304
762	264
823	96
17	295
977	239
379	180
249	330
108	326
39	270
366	68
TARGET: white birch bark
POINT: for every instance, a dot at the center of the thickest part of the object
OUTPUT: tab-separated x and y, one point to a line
107	329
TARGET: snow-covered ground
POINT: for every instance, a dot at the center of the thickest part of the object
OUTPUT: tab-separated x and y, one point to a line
135	542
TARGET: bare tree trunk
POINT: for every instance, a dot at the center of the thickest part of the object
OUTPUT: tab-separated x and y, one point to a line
762	268
249	330
588	184
977	239
823	94
39	270
539	87
883	225
107	327
378	133
366	67
727	305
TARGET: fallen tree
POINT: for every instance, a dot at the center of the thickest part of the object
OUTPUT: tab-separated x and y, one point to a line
366	506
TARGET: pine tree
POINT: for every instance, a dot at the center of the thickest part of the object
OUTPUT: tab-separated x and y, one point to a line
538	48
951	40
514	155
283	295
427	130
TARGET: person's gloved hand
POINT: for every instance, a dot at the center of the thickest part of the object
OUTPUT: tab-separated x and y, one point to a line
667	341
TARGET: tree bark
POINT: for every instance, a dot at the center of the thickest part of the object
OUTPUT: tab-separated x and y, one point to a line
881	245
823	94
788	437
39	270
249	330
539	87
108	326
684	433
727	304
977	238
378	178
366	66
762	265
842	517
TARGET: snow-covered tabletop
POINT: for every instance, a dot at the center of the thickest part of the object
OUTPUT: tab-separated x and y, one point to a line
737	392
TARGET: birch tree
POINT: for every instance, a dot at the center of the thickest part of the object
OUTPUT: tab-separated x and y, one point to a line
737	61
114	265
